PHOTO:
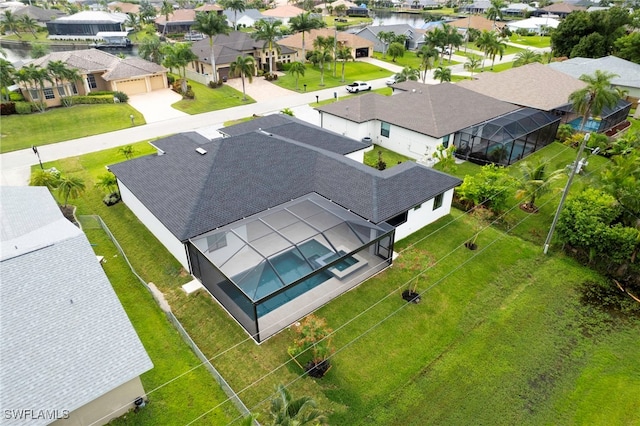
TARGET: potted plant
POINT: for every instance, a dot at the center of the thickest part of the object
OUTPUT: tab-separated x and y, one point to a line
312	348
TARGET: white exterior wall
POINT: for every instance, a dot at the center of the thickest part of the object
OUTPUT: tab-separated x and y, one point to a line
417	219
175	247
359	155
344	127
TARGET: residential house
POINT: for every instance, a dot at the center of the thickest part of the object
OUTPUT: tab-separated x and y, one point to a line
210	7
561	10
85	25
283	13
99	71
477	22
359	46
414	37
245	19
69	351
275	223
39	14
535	25
180	21
518	9
128	8
477	7
416	122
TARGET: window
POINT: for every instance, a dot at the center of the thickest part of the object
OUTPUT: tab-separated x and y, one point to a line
48	93
91	79
385	128
74	88
445	141
398	220
34	94
417	207
61	91
216	241
437	202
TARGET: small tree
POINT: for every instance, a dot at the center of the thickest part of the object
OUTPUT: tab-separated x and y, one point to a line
70	187
107	182
312	337
343	55
446	160
490	188
535	182
443	74
381	164
46	178
286	411
297	69
473	62
128	151
396	50
243	66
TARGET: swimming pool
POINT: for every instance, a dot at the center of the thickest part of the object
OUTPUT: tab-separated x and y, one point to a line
590	125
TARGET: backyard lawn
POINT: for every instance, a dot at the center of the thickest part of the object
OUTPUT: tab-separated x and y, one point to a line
208	99
410	59
353	71
390	157
60	124
532	41
503	334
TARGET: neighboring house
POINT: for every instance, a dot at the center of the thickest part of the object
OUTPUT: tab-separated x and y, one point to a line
180	21
283	13
627	73
324	6
228	47
477	7
559	9
477	22
275	227
99	71
68	348
517	9
85	25
210	7
416	122
128	8
360	47
540	26
246	19
360	11
39	14
414	37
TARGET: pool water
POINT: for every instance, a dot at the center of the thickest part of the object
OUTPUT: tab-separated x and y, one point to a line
590	125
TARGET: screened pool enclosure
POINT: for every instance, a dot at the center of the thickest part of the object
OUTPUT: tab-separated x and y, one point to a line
273	268
507	139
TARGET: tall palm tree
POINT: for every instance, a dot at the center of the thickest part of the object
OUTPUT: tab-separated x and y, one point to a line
535	182
286	411
595	96
70	187
269	32
211	24
497	48
10	23
297	69
320	57
386	38
166	9
343	55
178	55
407	73
525	57
38	76
243	66
428	53
150	48
495	11
473	62
484	42
453	38
27	23
7	72
236	6
57	70
133	21
304	23
442	73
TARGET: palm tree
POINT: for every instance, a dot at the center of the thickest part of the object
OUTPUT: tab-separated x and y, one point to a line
57	70
10	23
178	55
42	177
396	50
343	55
211	24
525	57
27	23
473	62
269	32
127	151
166	9
70	187
286	411
484	42
453	38
598	94
407	73
304	23
495	11
428	53
438	39
133	21
535	182
38	76
297	69
108	182
236	6
497	48
150	48
320	57
442	74
243	66
386	38
6	78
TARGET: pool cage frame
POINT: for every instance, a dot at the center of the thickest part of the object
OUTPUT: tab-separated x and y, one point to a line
311	284
609	117
506	139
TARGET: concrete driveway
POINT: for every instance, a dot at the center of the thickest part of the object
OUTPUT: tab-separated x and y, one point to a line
260	89
156	105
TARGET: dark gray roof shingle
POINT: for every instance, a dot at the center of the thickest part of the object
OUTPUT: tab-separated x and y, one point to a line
243	175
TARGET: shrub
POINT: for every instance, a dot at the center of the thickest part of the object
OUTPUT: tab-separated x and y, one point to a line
212	84
121	96
24	107
101	93
90	100
189	94
564	132
111	199
16	97
7	108
170	79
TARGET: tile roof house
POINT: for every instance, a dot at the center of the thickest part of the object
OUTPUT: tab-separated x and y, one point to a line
423	117
117	6
360	47
283	13
559	9
99	71
180	21
39	14
68	347
477	22
414	36
280	194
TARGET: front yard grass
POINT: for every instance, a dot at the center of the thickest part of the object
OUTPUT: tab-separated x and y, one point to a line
503	335
208	99
61	124
532	41
353	71
410	59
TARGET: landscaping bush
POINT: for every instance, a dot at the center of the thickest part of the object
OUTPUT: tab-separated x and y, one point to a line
189	94
101	93
7	108
170	79
121	96
91	100
111	199
16	97
24	107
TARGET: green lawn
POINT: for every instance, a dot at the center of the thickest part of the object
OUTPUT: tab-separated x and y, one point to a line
410	59
353	71
208	99
503	335
498	67
532	41
390	157
61	124
385	91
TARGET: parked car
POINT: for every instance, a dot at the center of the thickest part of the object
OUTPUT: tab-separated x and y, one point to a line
446	50
358	86
391	80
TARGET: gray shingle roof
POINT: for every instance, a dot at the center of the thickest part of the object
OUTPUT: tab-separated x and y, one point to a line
298	130
66	340
434	110
246	174
628	73
225	47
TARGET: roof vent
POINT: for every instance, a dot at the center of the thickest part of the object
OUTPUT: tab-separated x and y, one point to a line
201	151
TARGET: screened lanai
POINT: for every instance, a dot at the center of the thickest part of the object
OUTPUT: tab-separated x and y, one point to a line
508	138
273	268
609	117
